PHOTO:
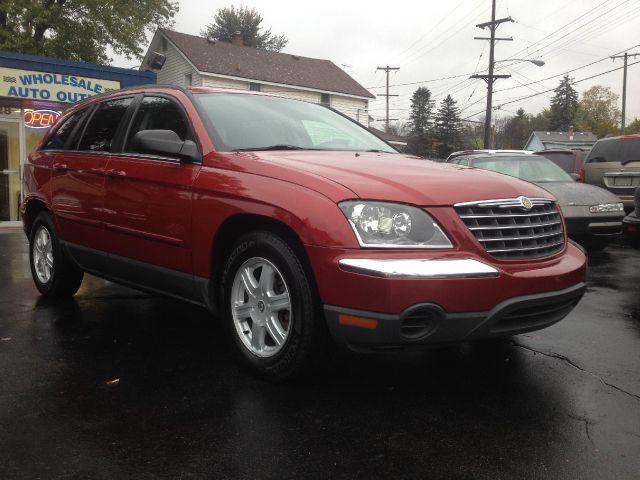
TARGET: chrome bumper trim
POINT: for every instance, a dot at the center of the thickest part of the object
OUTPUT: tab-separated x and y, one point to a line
418	268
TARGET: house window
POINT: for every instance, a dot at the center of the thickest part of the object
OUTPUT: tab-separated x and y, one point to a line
188	79
254	87
325	99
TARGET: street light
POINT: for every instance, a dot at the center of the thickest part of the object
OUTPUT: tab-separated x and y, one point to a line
537	63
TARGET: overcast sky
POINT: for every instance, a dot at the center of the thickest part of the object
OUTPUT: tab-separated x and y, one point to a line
431	40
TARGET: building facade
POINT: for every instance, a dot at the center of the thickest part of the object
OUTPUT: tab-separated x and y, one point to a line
34	91
200	62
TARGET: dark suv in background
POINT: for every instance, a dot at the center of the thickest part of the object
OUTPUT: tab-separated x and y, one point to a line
614	164
570	160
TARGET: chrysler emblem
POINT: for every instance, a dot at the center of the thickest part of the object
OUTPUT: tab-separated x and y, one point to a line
525	203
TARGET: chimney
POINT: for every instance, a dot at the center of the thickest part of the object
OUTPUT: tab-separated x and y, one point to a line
237	38
571	133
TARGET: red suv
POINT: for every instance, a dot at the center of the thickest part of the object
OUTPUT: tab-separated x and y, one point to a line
293	224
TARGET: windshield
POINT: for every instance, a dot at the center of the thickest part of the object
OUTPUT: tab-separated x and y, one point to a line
254	122
529	168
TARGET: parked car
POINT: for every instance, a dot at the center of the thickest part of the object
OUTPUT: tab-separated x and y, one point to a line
484	150
614	163
570	160
631	223
593	215
293	224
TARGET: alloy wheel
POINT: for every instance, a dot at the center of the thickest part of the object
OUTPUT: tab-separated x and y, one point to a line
261	307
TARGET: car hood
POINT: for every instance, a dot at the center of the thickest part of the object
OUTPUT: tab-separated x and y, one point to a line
393	177
575	193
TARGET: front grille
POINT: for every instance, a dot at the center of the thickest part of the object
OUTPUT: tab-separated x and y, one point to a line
510	231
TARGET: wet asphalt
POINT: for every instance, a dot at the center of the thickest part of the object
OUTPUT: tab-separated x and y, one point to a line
119	384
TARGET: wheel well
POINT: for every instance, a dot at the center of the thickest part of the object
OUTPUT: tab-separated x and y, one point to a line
34	207
237	226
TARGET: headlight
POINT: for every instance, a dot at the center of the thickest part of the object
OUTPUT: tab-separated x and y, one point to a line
607	207
393	225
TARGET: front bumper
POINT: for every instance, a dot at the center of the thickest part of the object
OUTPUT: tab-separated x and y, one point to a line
428	324
461	290
581	222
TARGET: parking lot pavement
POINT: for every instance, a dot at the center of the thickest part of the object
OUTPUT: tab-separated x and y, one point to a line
122	384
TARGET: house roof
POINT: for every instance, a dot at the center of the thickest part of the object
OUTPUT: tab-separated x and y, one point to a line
224	58
563	138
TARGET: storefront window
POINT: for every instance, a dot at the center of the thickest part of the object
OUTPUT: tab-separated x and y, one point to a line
17	139
10	120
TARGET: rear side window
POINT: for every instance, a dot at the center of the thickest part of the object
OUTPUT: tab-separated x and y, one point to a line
606	151
103	125
58	139
631	150
158	113
565	161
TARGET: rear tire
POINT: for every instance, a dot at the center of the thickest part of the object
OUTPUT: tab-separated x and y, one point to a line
53	274
271	308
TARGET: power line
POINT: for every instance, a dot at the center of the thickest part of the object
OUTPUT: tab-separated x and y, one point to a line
425	81
519	99
578	26
568	71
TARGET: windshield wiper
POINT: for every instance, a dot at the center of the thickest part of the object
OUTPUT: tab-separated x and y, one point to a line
377	151
270	147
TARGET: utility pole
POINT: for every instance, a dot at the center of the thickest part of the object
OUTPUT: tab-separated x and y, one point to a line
624	84
388	69
492	25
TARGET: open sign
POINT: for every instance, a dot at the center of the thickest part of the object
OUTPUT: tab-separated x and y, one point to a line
40	118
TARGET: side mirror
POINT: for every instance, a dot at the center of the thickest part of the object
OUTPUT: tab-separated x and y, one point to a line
166	143
575	176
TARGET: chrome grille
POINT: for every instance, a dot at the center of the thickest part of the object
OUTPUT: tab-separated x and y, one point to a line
510	231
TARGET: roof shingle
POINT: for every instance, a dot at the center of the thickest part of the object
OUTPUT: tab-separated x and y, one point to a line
224	58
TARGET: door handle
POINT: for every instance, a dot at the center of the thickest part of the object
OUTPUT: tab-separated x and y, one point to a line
116	173
60	166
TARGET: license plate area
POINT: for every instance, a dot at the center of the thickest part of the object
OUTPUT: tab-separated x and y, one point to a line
620	181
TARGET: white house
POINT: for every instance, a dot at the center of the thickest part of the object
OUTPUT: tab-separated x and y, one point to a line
201	62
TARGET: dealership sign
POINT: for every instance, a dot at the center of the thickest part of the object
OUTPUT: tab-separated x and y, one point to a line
52	87
40	118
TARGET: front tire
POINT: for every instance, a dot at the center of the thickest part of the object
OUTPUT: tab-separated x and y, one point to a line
271	308
53	274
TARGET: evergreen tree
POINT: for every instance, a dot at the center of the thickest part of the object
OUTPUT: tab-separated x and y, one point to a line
228	21
517	130
448	126
421	116
633	127
564	105
421	122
